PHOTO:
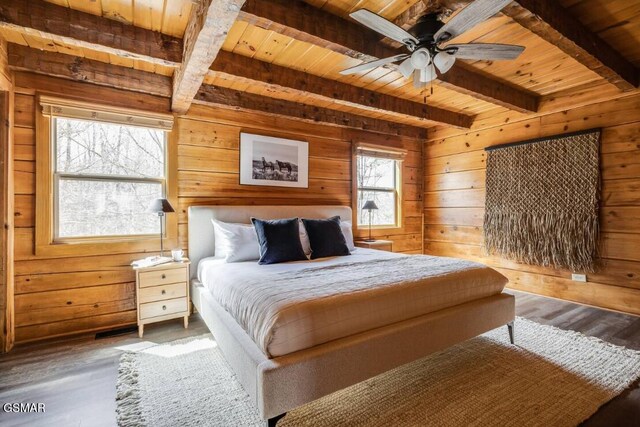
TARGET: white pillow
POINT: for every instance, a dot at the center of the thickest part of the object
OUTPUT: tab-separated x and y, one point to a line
347	230
304	239
235	242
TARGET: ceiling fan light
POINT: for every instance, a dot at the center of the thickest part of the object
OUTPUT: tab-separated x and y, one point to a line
406	68
444	61
428	73
416	80
420	58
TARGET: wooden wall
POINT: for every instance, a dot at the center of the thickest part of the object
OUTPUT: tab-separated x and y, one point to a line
5	74
6	202
80	294
72	294
208	167
454	202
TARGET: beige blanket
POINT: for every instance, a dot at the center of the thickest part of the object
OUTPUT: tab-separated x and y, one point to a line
290	311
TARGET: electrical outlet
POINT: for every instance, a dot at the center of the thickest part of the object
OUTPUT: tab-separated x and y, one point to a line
579	277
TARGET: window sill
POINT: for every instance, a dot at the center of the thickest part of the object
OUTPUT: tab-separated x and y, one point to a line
106	239
379	227
100	246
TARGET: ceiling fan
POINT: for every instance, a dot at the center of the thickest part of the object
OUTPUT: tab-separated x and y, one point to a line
425	41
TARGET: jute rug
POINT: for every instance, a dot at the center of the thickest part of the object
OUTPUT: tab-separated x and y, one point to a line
552	377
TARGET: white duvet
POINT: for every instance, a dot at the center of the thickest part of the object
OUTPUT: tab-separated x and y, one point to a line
293	306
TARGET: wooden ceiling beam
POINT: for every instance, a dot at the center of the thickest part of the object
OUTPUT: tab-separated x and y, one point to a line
304	22
84	30
206	31
550	21
22	58
409	17
244	101
285	80
554	24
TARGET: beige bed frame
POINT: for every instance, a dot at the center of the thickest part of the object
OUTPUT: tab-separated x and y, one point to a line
283	383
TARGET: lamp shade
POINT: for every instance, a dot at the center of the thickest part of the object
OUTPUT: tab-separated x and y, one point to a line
160	205
370	205
444	61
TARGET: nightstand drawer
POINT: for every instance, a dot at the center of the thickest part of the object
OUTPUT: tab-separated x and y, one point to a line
163	292
162	277
162	308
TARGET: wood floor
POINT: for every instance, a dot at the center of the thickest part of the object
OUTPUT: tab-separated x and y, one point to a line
76	378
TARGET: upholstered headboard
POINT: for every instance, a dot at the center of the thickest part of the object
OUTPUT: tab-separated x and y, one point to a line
201	235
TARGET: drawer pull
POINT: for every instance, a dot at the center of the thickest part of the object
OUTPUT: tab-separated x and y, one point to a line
164	276
164	307
164	292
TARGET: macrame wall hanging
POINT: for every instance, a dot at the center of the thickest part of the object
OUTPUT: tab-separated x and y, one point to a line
542	201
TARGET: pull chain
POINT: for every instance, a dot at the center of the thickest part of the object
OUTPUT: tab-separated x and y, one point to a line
430	90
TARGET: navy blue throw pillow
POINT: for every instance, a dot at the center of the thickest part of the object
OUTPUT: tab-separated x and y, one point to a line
325	237
279	240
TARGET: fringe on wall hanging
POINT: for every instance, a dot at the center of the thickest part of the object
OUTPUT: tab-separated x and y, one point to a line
542	201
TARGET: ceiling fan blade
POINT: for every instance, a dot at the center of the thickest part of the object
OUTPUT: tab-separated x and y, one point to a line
373	64
469	17
486	51
386	28
406	68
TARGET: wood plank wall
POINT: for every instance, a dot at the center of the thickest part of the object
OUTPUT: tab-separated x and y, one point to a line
3	286
208	168
5	74
6	205
454	202
57	297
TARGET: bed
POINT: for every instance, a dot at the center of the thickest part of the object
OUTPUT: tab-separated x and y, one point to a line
295	332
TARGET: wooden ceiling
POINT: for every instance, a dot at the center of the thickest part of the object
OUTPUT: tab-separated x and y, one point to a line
310	56
615	21
166	16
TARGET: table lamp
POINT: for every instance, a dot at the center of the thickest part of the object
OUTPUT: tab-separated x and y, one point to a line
160	206
370	205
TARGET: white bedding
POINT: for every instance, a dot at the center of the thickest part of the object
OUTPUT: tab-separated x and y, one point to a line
292	306
214	269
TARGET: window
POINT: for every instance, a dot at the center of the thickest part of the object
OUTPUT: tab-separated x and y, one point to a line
97	170
105	177
378	179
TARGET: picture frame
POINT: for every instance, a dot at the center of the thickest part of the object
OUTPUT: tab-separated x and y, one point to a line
275	162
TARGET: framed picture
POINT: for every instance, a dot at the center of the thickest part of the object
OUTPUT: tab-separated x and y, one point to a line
265	160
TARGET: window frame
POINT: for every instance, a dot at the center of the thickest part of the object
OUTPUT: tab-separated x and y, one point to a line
95	177
47	241
397	156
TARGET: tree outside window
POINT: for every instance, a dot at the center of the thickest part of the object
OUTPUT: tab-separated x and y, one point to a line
105	176
377	180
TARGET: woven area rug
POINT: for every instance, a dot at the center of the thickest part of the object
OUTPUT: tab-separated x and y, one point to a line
552	377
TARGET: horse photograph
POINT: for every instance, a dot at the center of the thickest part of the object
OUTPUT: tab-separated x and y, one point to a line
271	161
275	162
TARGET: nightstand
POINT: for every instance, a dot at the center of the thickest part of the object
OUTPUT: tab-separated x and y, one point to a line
162	293
381	245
